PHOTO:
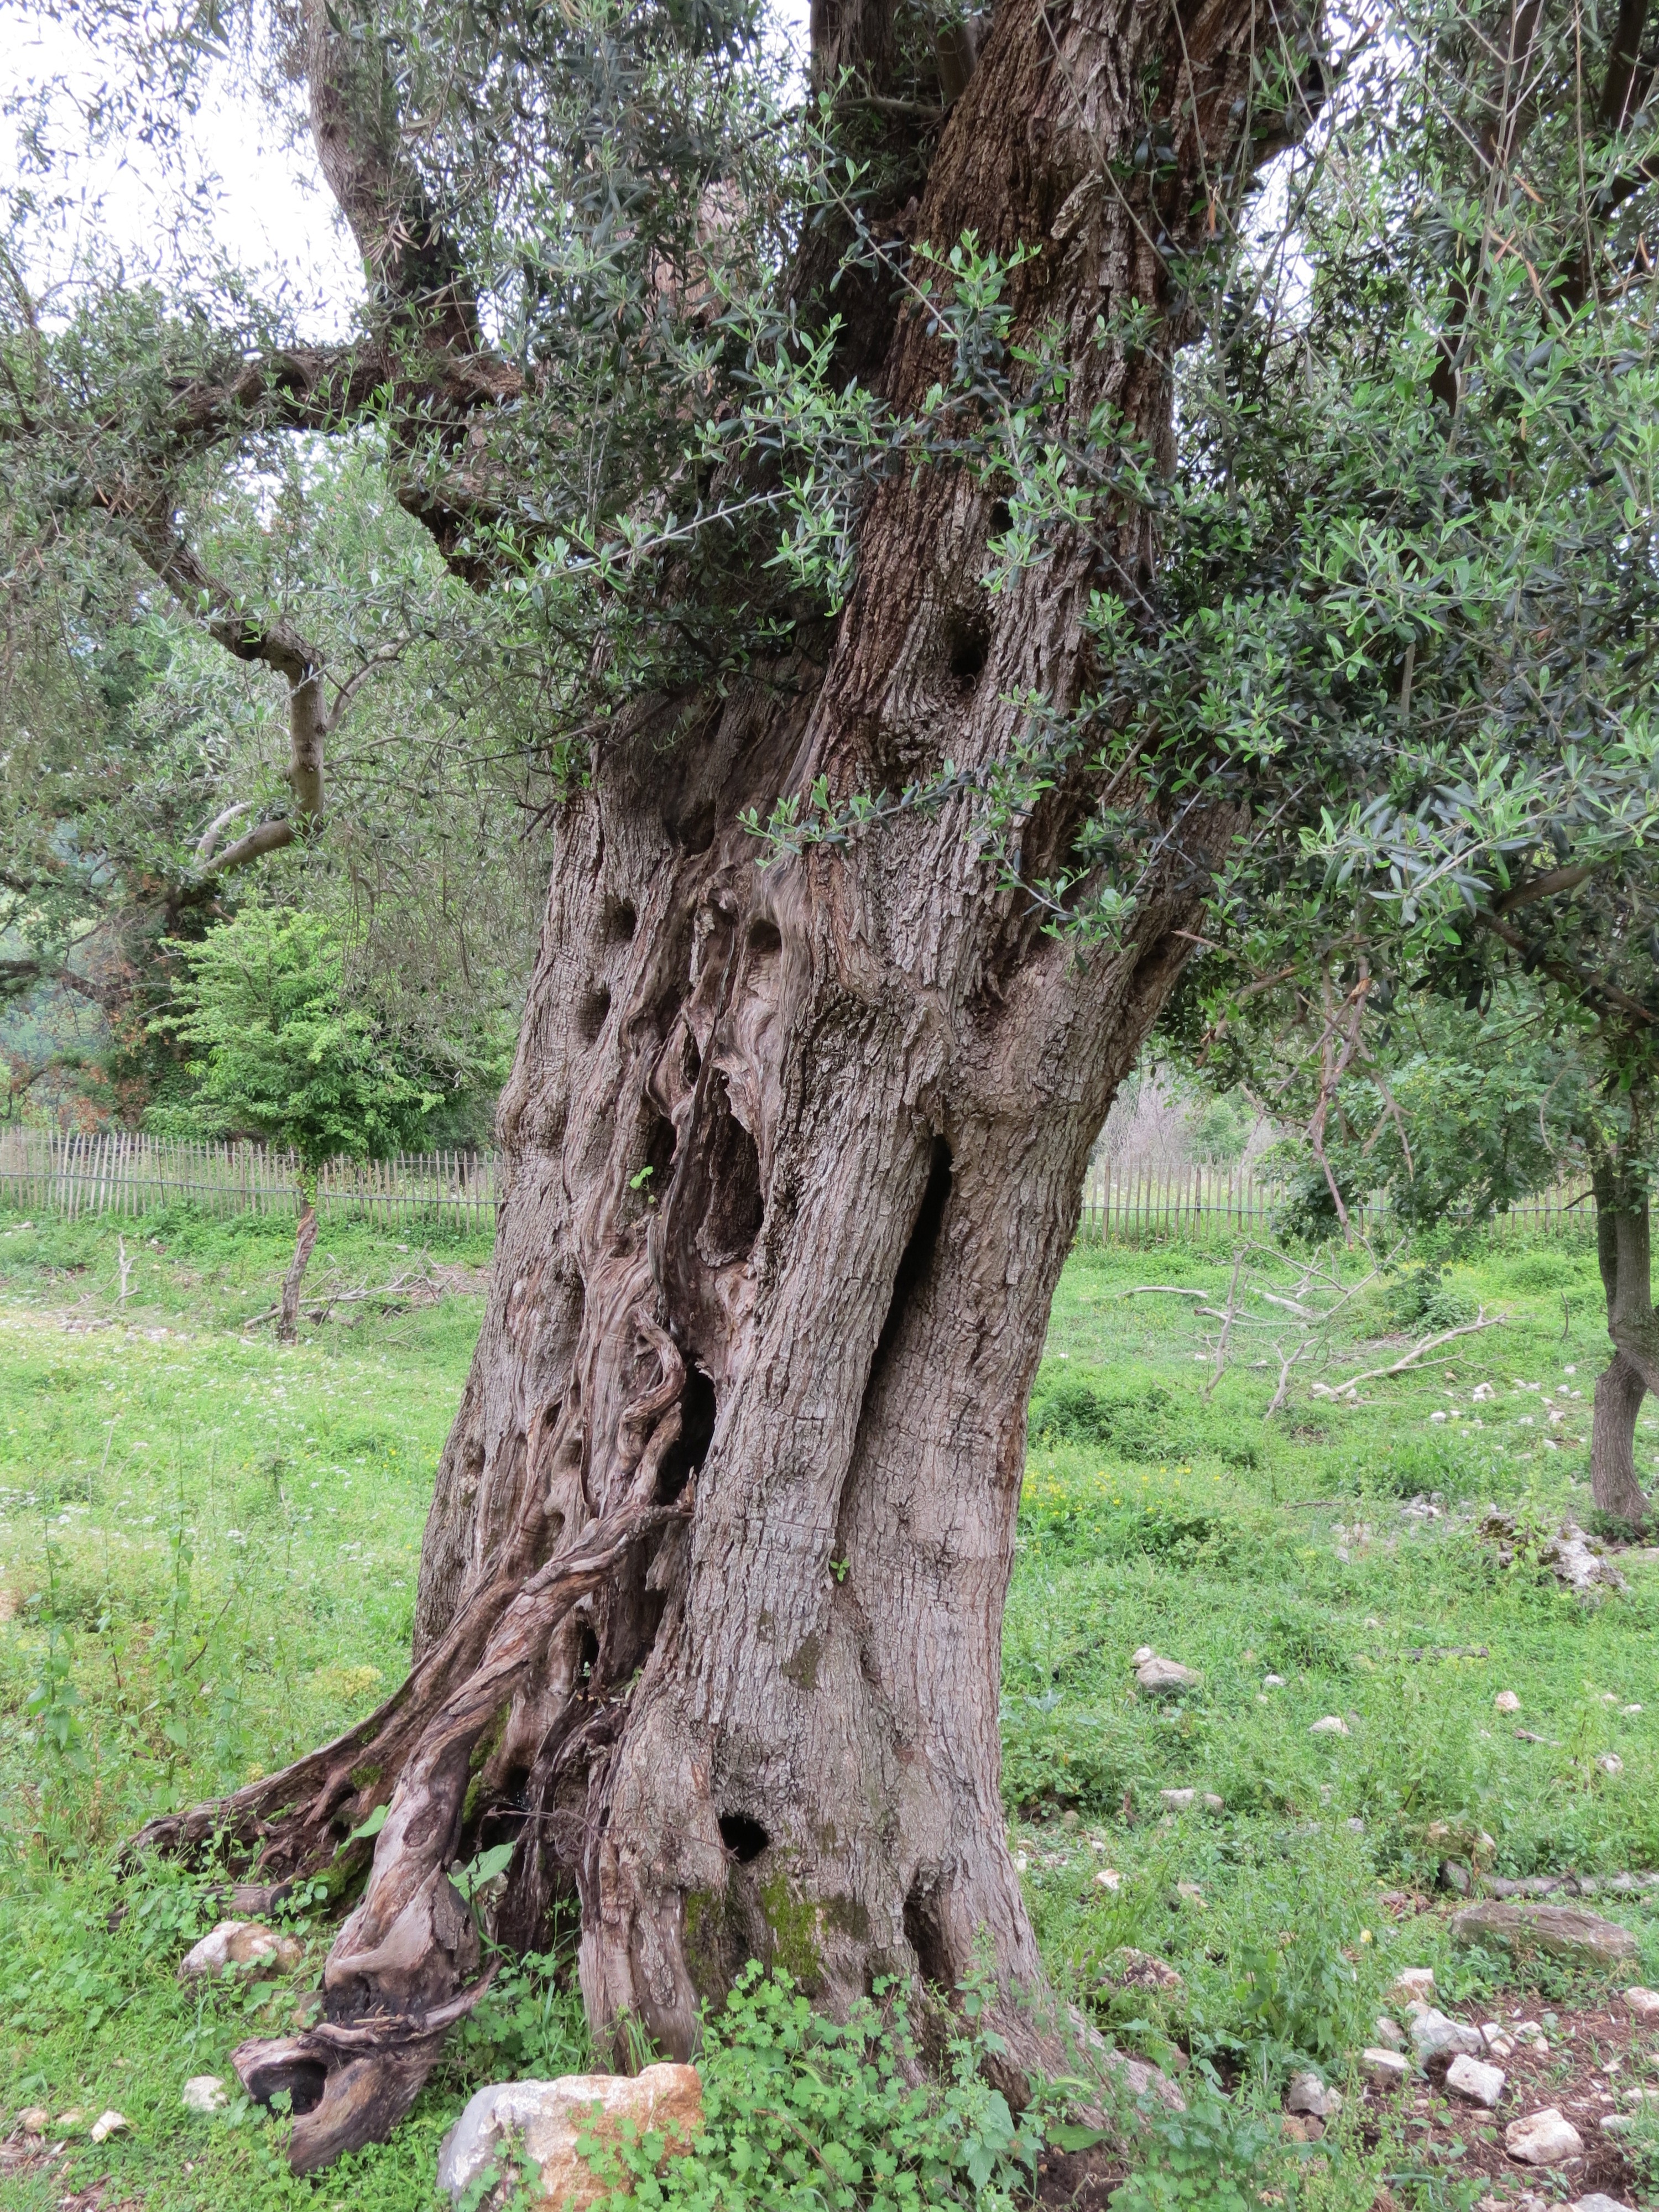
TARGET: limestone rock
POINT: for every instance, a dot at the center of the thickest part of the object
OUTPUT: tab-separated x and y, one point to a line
1331	1724
1413	1981
1434	2036
1644	2004
549	2116
1475	2083
1302	2127
1177	1800
34	2119
1506	1702
1597	2203
1581	1938
1212	1803
1308	2093
1158	1675
1139	1658
1577	1560
1545	2139
244	1945
1389	2032
1385	2069
204	2092
107	2124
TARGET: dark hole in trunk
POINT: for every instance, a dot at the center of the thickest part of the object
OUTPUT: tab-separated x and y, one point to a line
765	939
590	1015
587	1655
620	922
917	1257
305	2080
969	647
737	1205
745	1838
690	1448
923	1934
659	1154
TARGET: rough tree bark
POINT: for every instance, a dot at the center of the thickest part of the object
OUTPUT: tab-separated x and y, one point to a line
712	1590
1622	1247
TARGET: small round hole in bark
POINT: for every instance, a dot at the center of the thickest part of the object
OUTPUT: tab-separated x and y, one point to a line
591	1013
765	939
690	1448
620	922
745	1838
1002	517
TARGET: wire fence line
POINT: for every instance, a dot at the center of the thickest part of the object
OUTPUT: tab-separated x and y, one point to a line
119	1171
122	1172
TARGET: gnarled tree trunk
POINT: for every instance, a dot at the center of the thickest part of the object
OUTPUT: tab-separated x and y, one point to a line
712	1591
304	1240
1622	1249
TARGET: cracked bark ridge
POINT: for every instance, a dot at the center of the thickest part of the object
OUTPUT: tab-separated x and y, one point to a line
793	1157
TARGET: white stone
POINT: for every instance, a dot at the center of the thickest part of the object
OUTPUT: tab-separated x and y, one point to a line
1177	1801
1156	1673
107	2124
1434	2036
1413	1981
1597	2203
1331	1724
242	1945
205	2092
34	2119
1308	2093
1108	1878
1139	1658
1476	2083
1610	1763
1272	1682
1506	1702
1644	2003
1384	2070
1213	1803
1389	2032
1545	2139
551	2116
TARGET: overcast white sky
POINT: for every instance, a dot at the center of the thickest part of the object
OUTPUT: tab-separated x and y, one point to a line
270	209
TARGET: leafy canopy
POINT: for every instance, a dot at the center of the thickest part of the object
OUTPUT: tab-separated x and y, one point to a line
284	1050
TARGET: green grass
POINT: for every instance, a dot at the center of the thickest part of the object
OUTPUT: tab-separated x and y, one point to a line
208	1554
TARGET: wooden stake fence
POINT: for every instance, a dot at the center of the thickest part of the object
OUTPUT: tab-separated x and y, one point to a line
118	1171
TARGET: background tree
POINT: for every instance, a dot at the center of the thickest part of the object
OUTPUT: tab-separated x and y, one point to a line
920	685
286	1055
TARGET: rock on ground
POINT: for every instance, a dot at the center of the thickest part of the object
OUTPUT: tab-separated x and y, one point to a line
1644	2003
549	2116
1308	2093
107	2124
204	2092
1177	1800
1385	2069
1434	2036
1475	2083
1331	1724
1413	1981
1597	2203
1129	1969
1157	1674
1582	1938
243	1944
1389	2032
1543	2138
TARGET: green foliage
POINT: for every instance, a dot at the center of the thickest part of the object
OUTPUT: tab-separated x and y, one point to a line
803	2111
1208	2159
285	1052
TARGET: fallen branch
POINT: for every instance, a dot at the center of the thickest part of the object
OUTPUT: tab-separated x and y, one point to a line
1408	1359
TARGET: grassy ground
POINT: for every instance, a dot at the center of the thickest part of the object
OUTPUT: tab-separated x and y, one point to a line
208	1551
